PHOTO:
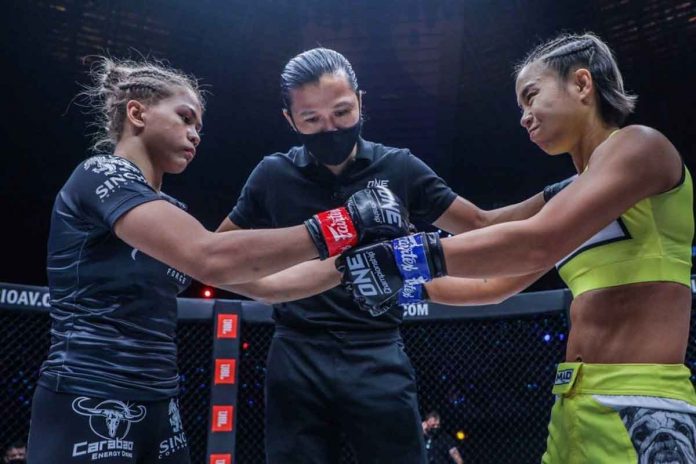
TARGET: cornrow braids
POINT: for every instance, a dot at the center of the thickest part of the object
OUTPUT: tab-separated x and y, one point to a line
558	43
570	49
568	52
115	82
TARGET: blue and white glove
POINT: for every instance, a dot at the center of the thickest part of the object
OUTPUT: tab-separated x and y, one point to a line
377	274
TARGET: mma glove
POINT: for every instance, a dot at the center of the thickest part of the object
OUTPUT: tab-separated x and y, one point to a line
370	215
412	293
552	190
380	275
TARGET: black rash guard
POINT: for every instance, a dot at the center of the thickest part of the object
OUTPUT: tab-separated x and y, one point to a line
113	308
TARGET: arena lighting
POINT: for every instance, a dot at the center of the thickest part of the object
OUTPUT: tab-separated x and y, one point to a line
245	345
461	435
207	292
547	337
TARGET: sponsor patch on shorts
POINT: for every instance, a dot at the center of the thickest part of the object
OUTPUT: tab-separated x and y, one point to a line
564	377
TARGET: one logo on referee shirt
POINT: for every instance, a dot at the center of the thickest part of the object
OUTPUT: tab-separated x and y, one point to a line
378	183
564	377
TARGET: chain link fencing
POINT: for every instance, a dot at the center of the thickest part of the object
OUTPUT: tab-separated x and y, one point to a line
489	378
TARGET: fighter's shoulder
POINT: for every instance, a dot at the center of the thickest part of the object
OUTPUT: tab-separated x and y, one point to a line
101	168
108	165
636	142
642	151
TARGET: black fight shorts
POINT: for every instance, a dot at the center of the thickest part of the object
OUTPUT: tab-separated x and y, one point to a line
75	429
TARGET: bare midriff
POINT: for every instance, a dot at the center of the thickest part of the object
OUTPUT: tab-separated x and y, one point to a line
636	323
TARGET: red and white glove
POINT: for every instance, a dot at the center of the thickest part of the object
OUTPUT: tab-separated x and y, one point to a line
370	215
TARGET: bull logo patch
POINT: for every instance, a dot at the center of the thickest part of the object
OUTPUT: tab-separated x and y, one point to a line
110	419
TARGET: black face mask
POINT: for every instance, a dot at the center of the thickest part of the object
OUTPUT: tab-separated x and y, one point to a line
333	147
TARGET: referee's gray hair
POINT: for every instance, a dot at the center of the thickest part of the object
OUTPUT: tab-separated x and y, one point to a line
567	52
115	82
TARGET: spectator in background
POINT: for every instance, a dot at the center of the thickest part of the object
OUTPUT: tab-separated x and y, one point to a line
441	448
15	453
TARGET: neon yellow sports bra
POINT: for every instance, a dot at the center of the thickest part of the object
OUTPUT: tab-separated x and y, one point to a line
650	242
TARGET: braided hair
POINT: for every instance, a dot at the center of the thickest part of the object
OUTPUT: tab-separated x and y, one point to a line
567	52
115	82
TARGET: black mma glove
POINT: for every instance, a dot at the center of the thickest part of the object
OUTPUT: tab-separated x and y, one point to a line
377	274
552	190
369	215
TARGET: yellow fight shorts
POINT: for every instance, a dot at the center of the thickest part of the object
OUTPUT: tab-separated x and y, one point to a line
622	413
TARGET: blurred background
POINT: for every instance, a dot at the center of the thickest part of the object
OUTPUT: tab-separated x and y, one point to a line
437	76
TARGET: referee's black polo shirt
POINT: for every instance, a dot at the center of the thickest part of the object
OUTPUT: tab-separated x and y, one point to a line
287	188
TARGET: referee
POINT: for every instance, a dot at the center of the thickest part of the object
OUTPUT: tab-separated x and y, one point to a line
333	368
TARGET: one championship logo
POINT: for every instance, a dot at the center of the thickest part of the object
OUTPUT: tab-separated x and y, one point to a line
388	207
378	183
377	272
110	419
365	278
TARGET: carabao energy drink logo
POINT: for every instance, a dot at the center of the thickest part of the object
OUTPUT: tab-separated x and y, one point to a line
110	420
